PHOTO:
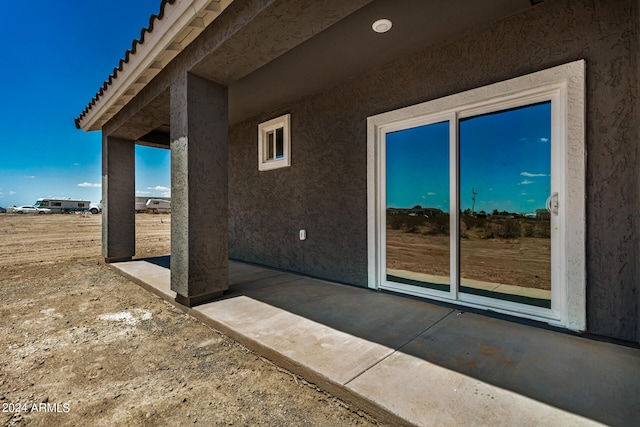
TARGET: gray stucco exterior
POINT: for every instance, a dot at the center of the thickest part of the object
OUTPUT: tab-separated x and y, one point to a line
325	189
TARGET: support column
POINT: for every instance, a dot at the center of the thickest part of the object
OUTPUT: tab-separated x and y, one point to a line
118	199
199	186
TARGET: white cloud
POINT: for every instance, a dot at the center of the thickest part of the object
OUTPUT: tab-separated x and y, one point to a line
526	182
531	200
533	175
143	193
88	184
76	164
164	191
524	194
544	139
30	176
11	193
431	193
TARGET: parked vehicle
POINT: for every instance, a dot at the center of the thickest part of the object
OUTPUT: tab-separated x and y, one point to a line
153	204
141	206
95	208
158	205
28	209
63	205
3	210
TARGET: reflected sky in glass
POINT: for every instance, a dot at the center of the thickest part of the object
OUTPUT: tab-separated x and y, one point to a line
504	157
418	167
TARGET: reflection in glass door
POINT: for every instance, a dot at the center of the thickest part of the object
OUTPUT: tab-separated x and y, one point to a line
477	198
505	226
501	246
417	206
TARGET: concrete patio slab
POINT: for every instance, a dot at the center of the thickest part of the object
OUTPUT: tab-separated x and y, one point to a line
424	393
152	277
396	322
595	379
337	356
411	362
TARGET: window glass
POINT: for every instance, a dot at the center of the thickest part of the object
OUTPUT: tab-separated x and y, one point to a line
417	206
270	145
505	180
279	149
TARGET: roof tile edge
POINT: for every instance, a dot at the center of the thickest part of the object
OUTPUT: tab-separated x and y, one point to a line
92	117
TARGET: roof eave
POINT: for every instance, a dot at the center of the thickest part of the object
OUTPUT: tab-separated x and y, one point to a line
177	25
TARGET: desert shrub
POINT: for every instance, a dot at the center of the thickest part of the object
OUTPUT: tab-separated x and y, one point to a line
413	223
489	231
411	229
510	229
440	224
542	229
528	229
395	222
501	229
464	233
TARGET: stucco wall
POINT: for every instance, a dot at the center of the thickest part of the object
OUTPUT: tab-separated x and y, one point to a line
324	191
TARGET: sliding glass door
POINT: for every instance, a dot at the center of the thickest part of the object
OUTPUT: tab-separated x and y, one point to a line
417	206
505	226
466	212
478	198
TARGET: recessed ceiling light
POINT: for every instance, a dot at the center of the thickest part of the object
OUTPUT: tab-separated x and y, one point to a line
381	26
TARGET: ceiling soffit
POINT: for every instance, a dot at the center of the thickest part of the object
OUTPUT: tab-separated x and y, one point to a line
168	33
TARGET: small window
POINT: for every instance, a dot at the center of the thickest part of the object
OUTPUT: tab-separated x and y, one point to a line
56	204
81	205
274	143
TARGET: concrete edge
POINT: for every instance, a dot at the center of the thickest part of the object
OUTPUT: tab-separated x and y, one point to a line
334	388
341	391
142	284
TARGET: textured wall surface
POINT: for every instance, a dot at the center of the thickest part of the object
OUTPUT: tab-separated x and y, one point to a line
324	191
118	199
199	226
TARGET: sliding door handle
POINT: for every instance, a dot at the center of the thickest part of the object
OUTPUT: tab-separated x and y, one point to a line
552	203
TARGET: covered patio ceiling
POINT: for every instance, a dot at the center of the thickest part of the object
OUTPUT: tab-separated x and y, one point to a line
263	73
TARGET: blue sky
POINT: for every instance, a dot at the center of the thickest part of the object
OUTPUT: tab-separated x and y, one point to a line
505	158
55	56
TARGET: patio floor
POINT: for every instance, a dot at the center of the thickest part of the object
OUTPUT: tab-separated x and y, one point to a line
408	361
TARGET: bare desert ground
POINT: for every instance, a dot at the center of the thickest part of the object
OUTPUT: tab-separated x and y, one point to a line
522	261
81	345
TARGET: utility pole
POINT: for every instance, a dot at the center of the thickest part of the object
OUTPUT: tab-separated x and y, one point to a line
473	197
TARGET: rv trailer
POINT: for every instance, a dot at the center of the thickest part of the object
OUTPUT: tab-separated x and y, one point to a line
64	205
158	206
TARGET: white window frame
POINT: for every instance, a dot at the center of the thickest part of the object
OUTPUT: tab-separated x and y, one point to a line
284	123
564	86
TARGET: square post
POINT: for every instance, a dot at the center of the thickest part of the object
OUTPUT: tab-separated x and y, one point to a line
118	199
199	190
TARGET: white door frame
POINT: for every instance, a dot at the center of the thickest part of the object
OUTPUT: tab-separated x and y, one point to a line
564	86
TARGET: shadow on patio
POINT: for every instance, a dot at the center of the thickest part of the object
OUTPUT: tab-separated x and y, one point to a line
423	362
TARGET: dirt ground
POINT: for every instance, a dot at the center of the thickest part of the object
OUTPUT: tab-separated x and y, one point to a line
82	345
524	261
